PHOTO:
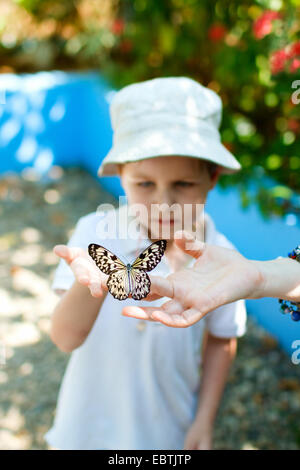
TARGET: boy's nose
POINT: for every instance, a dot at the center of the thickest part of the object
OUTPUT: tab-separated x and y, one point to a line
165	197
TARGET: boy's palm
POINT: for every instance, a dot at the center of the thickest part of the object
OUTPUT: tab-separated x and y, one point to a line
83	267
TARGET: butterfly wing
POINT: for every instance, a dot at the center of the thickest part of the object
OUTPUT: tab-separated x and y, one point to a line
106	261
118	284
140	283
151	256
146	261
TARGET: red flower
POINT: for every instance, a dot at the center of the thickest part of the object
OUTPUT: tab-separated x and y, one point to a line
263	25
295	65
278	60
118	26
216	32
295	49
293	124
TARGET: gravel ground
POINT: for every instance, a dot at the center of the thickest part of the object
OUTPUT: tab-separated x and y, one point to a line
261	405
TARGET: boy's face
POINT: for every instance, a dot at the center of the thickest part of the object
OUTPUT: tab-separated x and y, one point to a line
181	182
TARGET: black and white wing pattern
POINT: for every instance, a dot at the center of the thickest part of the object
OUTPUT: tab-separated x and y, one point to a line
140	284
118	284
146	261
124	280
106	261
151	256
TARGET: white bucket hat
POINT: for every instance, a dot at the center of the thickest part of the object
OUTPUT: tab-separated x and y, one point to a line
165	117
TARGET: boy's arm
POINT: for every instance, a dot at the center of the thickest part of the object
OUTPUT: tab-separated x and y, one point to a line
217	357
74	316
77	310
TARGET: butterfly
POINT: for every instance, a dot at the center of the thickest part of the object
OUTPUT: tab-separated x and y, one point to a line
125	279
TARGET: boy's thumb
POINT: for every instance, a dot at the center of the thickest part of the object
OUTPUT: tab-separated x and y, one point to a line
61	250
189	244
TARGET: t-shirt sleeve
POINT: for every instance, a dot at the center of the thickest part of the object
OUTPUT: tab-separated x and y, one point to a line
63	275
228	320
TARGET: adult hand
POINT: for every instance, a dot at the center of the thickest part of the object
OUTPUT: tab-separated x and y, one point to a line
84	268
218	276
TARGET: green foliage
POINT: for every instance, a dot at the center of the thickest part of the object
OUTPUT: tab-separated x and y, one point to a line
247	51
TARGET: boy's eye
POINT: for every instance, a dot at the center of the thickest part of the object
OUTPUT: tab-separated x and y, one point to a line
184	184
145	184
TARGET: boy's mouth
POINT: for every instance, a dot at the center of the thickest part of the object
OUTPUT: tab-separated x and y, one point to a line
166	221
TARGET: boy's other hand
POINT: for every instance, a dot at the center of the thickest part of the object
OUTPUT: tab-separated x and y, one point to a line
84	268
198	437
219	276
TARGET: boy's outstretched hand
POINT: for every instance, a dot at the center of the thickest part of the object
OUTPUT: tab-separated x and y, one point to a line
219	276
84	268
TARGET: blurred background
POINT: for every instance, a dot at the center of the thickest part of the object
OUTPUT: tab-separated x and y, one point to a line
60	65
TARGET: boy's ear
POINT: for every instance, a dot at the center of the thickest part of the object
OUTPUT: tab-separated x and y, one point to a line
119	169
215	177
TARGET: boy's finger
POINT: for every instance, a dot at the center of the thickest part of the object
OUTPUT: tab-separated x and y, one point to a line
187	243
95	289
60	250
83	279
67	253
81	268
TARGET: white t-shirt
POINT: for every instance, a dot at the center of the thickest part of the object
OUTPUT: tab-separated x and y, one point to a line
133	384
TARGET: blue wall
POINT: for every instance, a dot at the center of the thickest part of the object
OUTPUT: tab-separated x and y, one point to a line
54	118
57	118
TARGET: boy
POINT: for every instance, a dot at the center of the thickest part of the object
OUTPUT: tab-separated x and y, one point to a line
132	384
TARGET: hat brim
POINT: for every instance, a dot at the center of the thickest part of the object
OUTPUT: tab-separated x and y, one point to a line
168	143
